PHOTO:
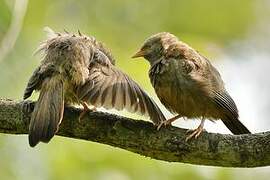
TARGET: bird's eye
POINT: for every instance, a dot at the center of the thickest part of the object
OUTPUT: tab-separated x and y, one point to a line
145	47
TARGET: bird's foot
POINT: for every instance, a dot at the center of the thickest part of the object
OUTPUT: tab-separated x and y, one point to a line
86	109
164	123
194	133
168	122
27	108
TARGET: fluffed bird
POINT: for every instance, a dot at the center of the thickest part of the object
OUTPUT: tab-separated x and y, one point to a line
187	84
77	69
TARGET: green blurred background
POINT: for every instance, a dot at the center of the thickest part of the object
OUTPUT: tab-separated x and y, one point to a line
234	33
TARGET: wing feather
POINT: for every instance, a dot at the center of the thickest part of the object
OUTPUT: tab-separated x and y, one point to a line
110	88
224	100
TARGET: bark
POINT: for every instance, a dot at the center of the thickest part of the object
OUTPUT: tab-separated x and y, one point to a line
167	144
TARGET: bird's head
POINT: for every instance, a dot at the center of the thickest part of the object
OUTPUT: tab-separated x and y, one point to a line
155	46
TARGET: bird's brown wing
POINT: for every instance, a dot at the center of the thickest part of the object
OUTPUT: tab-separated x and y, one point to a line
219	95
224	100
230	113
33	83
48	111
109	87
37	78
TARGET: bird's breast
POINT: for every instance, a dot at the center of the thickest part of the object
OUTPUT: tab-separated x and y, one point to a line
178	92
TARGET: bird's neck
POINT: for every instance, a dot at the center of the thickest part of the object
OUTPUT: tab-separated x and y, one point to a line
153	59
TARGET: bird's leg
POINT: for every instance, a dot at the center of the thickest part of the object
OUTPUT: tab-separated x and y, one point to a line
85	110
168	121
196	132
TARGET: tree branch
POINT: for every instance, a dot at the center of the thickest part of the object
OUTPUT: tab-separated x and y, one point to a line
141	137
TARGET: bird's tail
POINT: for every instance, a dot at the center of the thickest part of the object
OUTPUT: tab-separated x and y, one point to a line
48	111
235	126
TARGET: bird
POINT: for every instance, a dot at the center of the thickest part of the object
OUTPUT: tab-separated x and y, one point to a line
187	84
79	70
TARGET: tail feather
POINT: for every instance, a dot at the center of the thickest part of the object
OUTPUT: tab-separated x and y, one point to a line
48	111
235	126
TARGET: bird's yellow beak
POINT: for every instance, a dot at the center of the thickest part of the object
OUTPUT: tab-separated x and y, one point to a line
140	53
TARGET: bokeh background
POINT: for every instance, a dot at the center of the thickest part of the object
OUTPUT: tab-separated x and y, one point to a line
233	34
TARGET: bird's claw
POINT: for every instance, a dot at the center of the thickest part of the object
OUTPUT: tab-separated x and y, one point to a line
164	123
194	133
86	109
28	106
168	122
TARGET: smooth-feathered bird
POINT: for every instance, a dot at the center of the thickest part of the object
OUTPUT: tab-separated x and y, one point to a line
77	69
188	84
